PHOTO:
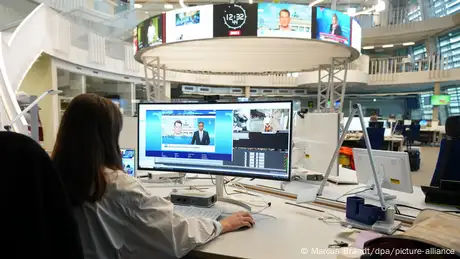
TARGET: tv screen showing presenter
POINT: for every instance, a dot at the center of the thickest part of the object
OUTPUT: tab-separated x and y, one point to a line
201	136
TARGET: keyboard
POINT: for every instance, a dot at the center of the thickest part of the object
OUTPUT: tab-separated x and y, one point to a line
197	212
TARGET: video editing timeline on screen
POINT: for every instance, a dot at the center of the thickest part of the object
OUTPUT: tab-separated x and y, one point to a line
247	141
256	20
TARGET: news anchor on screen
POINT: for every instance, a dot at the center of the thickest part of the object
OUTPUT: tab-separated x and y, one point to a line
335	28
201	136
284	21
177	128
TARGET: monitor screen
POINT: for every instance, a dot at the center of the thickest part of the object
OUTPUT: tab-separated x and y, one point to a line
151	32
128	157
440	99
332	26
235	20
284	20
190	23
245	139
356	35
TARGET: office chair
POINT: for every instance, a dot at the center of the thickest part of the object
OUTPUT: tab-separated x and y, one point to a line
37	217
376	137
449	154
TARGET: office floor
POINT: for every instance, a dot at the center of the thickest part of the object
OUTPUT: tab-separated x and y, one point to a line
429	157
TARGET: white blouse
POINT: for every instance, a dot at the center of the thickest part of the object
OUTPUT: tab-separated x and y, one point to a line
131	223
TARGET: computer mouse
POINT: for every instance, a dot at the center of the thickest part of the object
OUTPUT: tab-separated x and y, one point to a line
246	227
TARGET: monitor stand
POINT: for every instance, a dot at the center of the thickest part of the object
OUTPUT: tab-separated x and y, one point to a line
220	194
373	195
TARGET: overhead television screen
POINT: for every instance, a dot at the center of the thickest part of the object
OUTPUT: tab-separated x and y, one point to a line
235	20
284	20
332	26
356	35
151	32
440	100
189	23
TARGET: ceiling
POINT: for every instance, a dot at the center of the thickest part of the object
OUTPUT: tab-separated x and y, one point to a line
248	55
152	7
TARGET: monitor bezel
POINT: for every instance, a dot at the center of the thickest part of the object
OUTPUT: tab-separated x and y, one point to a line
226	173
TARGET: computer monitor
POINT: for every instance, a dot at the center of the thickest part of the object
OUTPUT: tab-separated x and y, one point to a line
392	168
242	139
128	158
355	124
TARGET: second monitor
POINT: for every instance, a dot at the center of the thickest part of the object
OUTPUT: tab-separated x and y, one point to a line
239	139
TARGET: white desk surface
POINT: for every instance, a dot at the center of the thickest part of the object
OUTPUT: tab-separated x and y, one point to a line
293	229
334	191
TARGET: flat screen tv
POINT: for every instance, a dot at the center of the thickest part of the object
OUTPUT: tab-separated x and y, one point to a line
440	100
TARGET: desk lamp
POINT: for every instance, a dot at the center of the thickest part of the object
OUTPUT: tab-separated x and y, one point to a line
34	122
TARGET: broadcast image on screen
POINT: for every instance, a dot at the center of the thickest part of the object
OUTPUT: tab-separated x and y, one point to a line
189	23
260	120
243	139
128	158
332	26
150	32
235	20
356	35
284	20
440	100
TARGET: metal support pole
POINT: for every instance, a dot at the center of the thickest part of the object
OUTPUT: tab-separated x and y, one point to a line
155	75
334	88
356	109
34	121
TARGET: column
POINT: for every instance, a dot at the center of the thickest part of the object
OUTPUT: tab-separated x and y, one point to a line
436	91
247	91
167	91
424	11
334	4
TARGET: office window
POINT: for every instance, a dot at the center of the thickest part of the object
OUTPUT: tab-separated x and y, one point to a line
441	8
425	106
419	51
415	13
449	46
454	106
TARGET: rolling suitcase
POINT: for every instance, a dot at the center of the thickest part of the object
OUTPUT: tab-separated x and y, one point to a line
414	159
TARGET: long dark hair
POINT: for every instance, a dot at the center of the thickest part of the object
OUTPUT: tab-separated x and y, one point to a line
86	144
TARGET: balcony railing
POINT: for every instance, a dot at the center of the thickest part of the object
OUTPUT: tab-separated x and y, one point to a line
394	65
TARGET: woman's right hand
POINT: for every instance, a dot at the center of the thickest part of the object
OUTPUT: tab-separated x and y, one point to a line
236	221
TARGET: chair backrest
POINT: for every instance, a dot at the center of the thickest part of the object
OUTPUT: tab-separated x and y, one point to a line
376	137
37	217
447	167
449	153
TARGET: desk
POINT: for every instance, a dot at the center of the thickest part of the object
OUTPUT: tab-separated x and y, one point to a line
293	229
334	191
392	139
437	135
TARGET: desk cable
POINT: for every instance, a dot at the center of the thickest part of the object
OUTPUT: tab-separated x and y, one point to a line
350	192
